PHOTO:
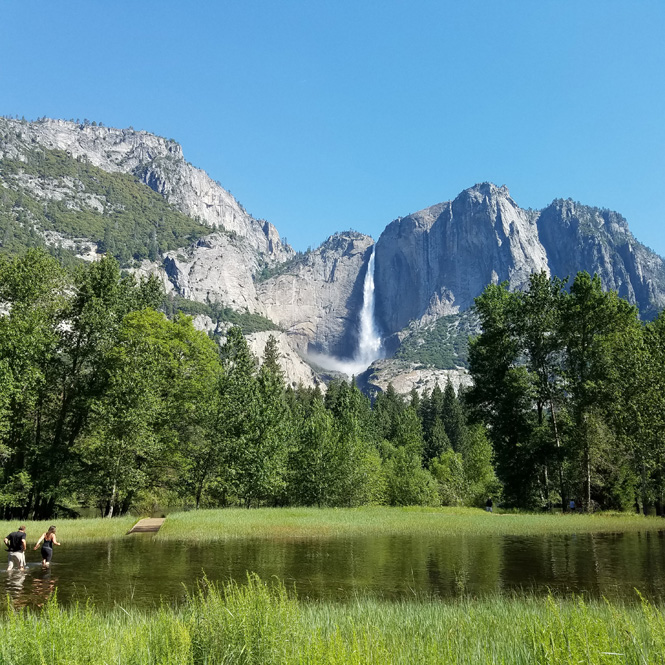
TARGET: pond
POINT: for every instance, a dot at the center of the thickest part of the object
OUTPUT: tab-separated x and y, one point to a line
144	572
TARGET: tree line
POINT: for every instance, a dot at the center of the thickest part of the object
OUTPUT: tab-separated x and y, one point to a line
108	403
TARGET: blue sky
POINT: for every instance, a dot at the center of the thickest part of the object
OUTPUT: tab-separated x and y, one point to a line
328	115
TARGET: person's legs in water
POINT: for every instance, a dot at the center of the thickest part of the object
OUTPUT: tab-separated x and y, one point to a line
47	553
16	559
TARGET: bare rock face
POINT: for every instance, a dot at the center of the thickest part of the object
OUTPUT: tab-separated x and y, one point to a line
406	377
436	261
579	237
317	299
156	161
217	268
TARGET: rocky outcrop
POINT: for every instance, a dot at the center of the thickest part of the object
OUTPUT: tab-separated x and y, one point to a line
317	299
436	261
406	377
157	162
578	237
216	269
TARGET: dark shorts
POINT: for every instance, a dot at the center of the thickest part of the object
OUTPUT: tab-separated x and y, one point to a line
47	553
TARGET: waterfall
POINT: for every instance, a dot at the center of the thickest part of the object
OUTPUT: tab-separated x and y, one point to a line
369	340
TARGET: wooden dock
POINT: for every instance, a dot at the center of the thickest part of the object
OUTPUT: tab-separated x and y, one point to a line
147	525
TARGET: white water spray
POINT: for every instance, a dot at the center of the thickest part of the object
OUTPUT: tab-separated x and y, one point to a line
369	340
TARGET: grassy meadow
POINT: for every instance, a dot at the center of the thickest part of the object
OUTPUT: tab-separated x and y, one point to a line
232	523
263	624
73	531
213	525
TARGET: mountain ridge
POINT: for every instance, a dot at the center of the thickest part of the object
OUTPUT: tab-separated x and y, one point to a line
429	264
492	239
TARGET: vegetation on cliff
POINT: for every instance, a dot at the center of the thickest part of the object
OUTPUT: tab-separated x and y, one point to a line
52	191
248	322
443	344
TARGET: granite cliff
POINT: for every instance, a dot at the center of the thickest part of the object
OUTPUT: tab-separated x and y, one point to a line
153	160
436	261
430	265
317	297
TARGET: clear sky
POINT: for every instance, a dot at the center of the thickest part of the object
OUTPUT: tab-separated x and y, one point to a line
325	115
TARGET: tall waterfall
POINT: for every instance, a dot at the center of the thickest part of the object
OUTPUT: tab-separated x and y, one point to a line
369	340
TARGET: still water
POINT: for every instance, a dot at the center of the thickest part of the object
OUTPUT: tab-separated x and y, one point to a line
145	572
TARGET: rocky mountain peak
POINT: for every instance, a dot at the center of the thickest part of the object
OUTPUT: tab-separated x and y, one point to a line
157	162
437	260
484	191
578	237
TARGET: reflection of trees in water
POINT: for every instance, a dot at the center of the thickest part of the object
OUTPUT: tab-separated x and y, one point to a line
395	566
141	571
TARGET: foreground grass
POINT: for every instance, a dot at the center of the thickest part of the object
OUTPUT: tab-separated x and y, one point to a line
256	623
73	531
212	525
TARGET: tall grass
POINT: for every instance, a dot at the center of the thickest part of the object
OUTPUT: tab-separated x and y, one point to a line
261	623
232	523
211	525
73	531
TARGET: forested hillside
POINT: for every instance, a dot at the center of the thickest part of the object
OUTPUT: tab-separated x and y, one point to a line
54	200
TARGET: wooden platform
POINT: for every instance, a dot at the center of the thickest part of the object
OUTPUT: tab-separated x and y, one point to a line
147	525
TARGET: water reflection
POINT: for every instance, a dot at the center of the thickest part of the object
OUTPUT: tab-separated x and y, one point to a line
146	572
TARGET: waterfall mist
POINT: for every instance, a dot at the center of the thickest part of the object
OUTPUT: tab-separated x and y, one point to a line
369	341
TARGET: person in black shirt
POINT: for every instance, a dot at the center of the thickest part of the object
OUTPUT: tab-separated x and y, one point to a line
15	542
488	504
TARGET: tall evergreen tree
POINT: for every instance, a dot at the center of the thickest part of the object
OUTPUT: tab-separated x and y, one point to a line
591	321
502	395
453	417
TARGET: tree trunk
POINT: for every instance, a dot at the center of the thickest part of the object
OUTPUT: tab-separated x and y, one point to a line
645	498
557	441
28	506
112	501
587	478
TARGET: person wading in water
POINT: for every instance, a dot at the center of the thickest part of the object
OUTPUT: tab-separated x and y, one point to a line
47	545
15	542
